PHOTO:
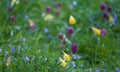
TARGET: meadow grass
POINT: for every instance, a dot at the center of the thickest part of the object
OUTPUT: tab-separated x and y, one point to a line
37	49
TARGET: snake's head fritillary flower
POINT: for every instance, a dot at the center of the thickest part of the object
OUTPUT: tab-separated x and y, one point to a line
72	20
111	20
10	8
57	12
109	8
12	19
49	17
8	61
31	24
60	36
63	63
96	30
15	2
106	16
103	32
74	48
59	5
66	57
103	6
48	9
70	30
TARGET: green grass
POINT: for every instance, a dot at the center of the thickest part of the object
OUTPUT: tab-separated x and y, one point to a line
97	52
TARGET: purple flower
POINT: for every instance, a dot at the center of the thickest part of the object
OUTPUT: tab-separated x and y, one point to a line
57	12
60	36
48	9
97	70
103	6
74	48
10	8
59	5
13	50
106	16
109	8
12	18
70	30
103	32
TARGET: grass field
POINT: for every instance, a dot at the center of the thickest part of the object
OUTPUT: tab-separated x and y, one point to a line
59	36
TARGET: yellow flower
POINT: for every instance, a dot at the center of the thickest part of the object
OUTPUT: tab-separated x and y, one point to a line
8	61
111	19
72	20
96	30
66	56
49	17
63	63
14	1
31	23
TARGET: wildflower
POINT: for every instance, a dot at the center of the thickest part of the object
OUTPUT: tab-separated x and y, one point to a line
103	6
8	61
14	2
32	25
46	30
70	30
111	19
115	17
96	30
66	56
12	19
74	48
59	5
72	20
71	7
73	64
60	36
106	16
48	9
74	3
0	50
109	9
103	32
49	17
13	49
10	8
27	59
97	70
63	63
57	12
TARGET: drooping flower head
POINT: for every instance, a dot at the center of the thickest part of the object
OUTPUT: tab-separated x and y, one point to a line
96	30
74	48
103	32
72	20
109	8
32	25
8	61
111	19
70	30
15	2
66	56
60	36
48	9
63	63
12	19
49	17
106	16
103	6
